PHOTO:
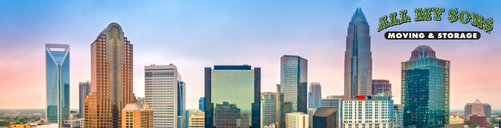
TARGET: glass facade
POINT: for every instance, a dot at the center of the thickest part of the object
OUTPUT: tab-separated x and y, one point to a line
201	105
358	60
232	97
269	108
84	90
425	89
293	87
181	97
58	83
315	95
398	116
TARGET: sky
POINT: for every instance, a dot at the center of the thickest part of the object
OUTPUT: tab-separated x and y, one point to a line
196	34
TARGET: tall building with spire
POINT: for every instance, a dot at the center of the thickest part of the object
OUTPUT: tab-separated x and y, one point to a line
111	78
425	89
58	83
358	60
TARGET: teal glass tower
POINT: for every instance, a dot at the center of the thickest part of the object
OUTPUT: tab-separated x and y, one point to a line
58	83
232	96
358	60
425	89
293	87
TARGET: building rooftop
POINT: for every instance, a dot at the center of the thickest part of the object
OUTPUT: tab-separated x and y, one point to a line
324	112
136	107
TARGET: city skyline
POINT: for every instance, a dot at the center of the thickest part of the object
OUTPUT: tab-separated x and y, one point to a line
25	33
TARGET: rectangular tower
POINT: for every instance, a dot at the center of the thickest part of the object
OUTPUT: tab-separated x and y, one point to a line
111	78
269	108
315	95
366	111
162	93
58	83
425	89
84	90
232	96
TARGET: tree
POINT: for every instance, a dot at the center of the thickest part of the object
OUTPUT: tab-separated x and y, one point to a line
473	126
494	121
467	123
492	126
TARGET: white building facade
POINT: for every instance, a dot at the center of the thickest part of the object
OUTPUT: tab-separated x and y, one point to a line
296	120
161	94
366	112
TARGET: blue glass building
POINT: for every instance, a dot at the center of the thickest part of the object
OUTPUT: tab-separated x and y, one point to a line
315	95
293	87
232	96
201	104
358	60
398	116
425	89
181	97
58	83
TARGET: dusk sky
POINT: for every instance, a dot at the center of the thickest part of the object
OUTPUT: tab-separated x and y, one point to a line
196	34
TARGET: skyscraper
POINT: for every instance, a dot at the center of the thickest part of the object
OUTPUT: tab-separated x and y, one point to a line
163	92
398	116
181	97
315	95
293	79
232	96
478	108
381	87
201	104
425	89
111	78
358	60
137	116
84	90
268	108
57	62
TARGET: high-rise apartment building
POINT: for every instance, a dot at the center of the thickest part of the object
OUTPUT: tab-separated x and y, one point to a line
315	95
84	90
425	89
111	78
381	87
232	96
331	101
164	92
366	111
293	79
201	104
358	60
197	119
296	120
478	108
268	108
398	116
137	116
57	69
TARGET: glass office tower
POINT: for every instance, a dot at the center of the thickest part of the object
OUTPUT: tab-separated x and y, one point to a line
425	89
293	79
58	83
358	60
269	108
232	96
201	104
315	96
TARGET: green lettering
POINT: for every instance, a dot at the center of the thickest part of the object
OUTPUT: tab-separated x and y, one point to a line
453	15
422	16
462	17
476	20
488	25
394	19
404	17
438	12
383	23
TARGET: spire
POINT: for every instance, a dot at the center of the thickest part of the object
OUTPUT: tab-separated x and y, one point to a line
358	15
478	102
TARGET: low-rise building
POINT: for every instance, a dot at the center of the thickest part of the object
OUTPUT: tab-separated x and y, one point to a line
137	116
296	120
197	119
325	118
366	111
